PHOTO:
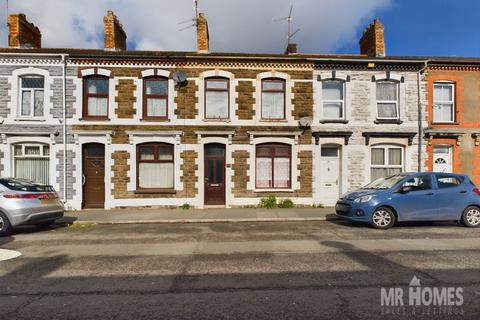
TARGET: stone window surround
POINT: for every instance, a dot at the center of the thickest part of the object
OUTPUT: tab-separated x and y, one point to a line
386	146
288	97
251	172
232	83
385	76
111	94
347	101
139	95
14	93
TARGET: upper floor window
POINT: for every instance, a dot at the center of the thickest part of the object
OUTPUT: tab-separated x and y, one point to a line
386	160
273	166
443	102
273	99
32	96
333	99
217	98
155	98
387	99
155	166
95	97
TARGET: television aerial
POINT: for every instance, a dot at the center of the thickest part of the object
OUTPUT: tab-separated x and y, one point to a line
193	21
289	20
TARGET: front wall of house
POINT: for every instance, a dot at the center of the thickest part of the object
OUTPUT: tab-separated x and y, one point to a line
460	133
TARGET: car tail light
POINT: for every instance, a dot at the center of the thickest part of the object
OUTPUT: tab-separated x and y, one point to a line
477	191
40	196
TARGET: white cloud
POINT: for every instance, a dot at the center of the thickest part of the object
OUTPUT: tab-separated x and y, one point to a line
235	25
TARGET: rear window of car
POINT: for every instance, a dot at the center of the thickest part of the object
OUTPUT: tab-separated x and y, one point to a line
446	181
23	185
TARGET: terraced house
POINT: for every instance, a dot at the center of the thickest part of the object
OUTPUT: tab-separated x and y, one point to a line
208	129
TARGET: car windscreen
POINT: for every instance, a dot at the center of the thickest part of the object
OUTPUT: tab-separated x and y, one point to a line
385	182
23	185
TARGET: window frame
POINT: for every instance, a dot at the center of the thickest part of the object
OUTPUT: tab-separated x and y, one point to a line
272	156
156	147
206	89
397	101
145	97
35	156
32	97
284	91
386	156
452	102
87	95
343	117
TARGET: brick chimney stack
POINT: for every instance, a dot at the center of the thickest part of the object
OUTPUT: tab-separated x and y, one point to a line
203	37
115	37
23	34
291	48
372	42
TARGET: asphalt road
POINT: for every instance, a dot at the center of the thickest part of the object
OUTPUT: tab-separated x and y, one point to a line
310	270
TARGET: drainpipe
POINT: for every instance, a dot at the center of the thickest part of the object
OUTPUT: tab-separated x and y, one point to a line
420	118
64	104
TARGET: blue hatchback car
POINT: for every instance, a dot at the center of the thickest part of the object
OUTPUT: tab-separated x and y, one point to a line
423	196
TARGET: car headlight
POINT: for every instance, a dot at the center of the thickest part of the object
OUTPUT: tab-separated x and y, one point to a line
363	199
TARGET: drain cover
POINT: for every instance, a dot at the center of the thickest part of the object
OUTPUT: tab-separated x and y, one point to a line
8	254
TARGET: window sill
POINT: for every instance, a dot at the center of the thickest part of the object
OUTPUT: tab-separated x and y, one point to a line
334	121
216	120
273	120
31	119
446	123
155	120
94	119
273	190
388	121
154	191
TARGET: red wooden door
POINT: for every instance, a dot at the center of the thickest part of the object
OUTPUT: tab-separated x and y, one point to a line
214	174
93	176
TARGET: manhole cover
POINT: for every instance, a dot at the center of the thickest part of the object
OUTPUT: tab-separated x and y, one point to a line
8	254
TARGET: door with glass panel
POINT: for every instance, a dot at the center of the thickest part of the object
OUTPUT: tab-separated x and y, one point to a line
330	174
93	175
214	176
442	158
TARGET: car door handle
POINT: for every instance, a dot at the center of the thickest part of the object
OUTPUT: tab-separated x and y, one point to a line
430	194
463	191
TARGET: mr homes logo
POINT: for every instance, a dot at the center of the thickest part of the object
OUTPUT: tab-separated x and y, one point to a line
418	299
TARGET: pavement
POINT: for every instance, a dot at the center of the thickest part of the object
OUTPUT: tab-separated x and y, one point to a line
135	215
247	270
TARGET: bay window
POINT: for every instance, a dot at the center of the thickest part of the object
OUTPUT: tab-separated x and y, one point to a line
155	166
32	96
387	99
273	166
385	161
333	99
443	102
95	97
273	99
155	98
216	98
31	161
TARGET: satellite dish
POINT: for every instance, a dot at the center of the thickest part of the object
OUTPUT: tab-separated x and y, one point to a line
180	77
305	122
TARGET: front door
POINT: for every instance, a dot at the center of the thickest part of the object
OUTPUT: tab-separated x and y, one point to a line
93	175
442	159
214	174
330	175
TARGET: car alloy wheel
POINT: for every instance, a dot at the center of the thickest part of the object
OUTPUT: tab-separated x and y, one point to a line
383	218
2	223
473	216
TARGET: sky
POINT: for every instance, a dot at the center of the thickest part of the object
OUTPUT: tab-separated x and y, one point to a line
412	27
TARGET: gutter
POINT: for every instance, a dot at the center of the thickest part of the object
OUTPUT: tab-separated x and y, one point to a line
420	118
64	104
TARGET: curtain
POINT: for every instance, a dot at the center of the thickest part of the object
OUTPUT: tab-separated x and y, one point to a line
282	172
443	112
97	86
216	104
155	175
332	90
442	93
384	172
273	105
386	91
97	106
156	107
387	110
32	169
395	156
38	103
378	156
264	173
332	110
26	103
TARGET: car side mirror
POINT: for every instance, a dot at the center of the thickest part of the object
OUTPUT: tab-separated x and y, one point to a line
405	189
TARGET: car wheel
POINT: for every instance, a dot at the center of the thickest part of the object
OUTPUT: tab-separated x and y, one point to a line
383	218
5	226
471	217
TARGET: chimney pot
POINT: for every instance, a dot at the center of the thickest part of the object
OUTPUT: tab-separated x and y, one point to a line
372	42
115	37
203	37
23	34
